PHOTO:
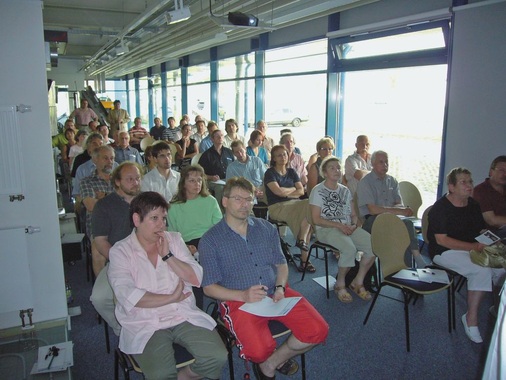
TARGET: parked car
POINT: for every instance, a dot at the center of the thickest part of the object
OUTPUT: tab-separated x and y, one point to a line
285	116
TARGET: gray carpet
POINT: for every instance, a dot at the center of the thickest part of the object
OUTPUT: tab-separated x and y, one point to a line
352	351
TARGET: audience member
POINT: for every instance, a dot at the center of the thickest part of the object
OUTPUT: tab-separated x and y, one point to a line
78	147
268	141
70	135
162	179
491	195
232	135
92	127
110	223
243	263
283	189
335	221
97	185
378	193
104	131
152	274
171	133
150	161
187	148
255	148
288	130
125	152
156	131
83	115
455	221
215	161
59	140
324	148
118	118
358	164
207	141
93	141
295	160
193	211
201	132
249	167
137	133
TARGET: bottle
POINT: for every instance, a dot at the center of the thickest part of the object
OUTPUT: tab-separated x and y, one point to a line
68	292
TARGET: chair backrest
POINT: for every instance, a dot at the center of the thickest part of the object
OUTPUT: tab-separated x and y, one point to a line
425	224
173	152
196	158
390	239
410	196
355	206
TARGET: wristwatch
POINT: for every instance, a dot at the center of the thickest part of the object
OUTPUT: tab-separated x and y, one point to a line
167	256
280	286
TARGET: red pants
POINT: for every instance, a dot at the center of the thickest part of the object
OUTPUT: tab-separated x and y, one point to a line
254	338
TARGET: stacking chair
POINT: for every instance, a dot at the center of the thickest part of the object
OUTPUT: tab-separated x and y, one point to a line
196	158
410	196
390	239
128	364
458	280
277	328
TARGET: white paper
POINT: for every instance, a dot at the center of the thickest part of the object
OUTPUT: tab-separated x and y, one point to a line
321	281
61	362
433	275
219	182
406	274
268	308
488	238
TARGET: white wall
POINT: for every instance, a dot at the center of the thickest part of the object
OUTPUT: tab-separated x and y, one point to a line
68	73
23	80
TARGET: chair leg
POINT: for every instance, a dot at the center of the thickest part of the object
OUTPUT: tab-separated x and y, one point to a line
325	254
230	363
107	342
406	318
116	364
372	305
303	366
304	264
450	309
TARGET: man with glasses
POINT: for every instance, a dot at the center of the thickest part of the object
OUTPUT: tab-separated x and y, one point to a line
162	179
243	263
491	195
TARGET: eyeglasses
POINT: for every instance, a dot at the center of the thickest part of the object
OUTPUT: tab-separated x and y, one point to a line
327	149
239	199
132	179
193	180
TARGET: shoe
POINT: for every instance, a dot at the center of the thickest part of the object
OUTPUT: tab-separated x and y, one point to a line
342	294
302	245
309	267
493	311
472	332
360	291
289	368
259	374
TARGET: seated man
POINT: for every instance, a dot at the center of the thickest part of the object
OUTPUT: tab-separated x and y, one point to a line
215	161
207	141
171	133
110	223
162	179
137	133
378	192
243	262
104	131
201	132
125	152
250	167
358	164
268	141
491	195
152	274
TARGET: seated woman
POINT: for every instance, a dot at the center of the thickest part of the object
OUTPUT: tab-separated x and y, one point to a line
152	274
193	210
78	147
324	148
455	221
70	135
149	160
255	147
333	214
283	189
295	160
187	147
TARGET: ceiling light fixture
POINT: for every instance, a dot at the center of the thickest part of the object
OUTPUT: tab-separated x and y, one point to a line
121	49
242	19
180	13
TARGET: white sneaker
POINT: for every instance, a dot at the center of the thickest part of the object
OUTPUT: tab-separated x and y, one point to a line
472	332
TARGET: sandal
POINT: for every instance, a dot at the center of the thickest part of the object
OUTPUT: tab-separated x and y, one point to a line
309	267
289	368
360	291
342	294
302	245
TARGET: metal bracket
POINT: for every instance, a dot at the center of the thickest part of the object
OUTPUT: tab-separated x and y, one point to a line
18	197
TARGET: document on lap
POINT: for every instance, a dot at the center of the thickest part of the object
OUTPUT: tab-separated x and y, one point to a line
487	238
268	308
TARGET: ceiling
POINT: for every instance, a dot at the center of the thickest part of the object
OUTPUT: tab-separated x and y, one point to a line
96	29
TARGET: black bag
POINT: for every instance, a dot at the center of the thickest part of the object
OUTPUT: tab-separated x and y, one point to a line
370	279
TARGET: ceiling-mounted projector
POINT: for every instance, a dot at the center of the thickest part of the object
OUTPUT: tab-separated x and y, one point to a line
242	19
178	15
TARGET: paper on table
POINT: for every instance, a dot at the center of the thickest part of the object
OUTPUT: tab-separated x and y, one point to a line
268	308
406	274
61	362
488	237
433	275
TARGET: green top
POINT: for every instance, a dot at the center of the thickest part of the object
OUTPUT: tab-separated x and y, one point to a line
194	217
59	141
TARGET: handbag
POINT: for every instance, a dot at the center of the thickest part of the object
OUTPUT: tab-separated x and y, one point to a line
493	256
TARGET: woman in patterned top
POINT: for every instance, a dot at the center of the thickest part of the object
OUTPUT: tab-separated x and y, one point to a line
335	221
